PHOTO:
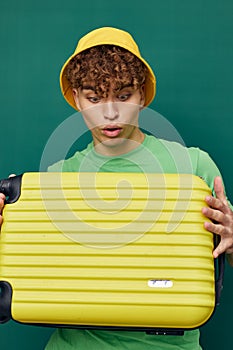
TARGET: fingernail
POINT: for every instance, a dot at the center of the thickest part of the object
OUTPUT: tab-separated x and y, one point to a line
206	224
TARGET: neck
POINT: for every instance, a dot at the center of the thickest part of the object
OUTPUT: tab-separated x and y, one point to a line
120	146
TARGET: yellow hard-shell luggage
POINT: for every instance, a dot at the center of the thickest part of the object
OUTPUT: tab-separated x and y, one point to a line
100	250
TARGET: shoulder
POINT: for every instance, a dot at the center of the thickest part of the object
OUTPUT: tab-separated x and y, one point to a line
186	159
173	146
71	164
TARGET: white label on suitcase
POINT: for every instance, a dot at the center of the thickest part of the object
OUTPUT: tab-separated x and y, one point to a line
160	283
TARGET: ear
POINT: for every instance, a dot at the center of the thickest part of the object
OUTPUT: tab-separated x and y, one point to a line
142	93
76	98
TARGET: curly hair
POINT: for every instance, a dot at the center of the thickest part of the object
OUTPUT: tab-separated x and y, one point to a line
106	65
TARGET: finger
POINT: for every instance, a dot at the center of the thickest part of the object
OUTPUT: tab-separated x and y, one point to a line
219	189
214	228
216	215
2	199
217	252
12	175
2	196
224	246
217	204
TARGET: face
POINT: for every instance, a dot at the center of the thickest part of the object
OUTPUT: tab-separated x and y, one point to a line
113	120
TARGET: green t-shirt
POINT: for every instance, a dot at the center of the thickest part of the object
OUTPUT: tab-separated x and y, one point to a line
152	156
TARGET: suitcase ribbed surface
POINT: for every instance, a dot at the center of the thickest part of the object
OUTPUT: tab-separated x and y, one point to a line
109	250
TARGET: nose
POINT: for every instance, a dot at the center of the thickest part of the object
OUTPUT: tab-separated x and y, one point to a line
110	111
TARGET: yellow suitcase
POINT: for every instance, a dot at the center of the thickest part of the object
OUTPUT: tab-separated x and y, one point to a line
100	250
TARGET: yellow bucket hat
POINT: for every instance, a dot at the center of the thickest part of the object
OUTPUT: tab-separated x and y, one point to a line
108	36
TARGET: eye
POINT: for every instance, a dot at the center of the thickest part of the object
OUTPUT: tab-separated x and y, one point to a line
124	97
94	99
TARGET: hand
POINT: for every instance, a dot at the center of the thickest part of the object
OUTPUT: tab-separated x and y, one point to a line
2	199
222	217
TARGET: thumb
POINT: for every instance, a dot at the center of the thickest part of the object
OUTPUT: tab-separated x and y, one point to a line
219	189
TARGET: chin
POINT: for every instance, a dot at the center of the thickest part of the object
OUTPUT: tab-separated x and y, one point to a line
112	142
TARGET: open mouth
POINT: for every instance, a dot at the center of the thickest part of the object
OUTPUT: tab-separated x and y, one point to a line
112	131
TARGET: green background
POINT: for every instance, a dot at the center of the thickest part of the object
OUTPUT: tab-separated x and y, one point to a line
189	46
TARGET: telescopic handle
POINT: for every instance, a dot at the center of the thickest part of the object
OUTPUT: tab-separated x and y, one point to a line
11	187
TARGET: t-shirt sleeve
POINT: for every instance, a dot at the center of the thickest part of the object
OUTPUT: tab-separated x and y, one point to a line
67	165
57	167
208	170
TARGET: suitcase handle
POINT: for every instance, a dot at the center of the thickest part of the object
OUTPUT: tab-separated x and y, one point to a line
219	268
5	301
11	187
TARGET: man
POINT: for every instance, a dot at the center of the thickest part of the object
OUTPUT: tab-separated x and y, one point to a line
109	82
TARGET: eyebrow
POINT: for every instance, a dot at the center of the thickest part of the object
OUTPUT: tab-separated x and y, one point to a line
127	86
89	87
93	88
